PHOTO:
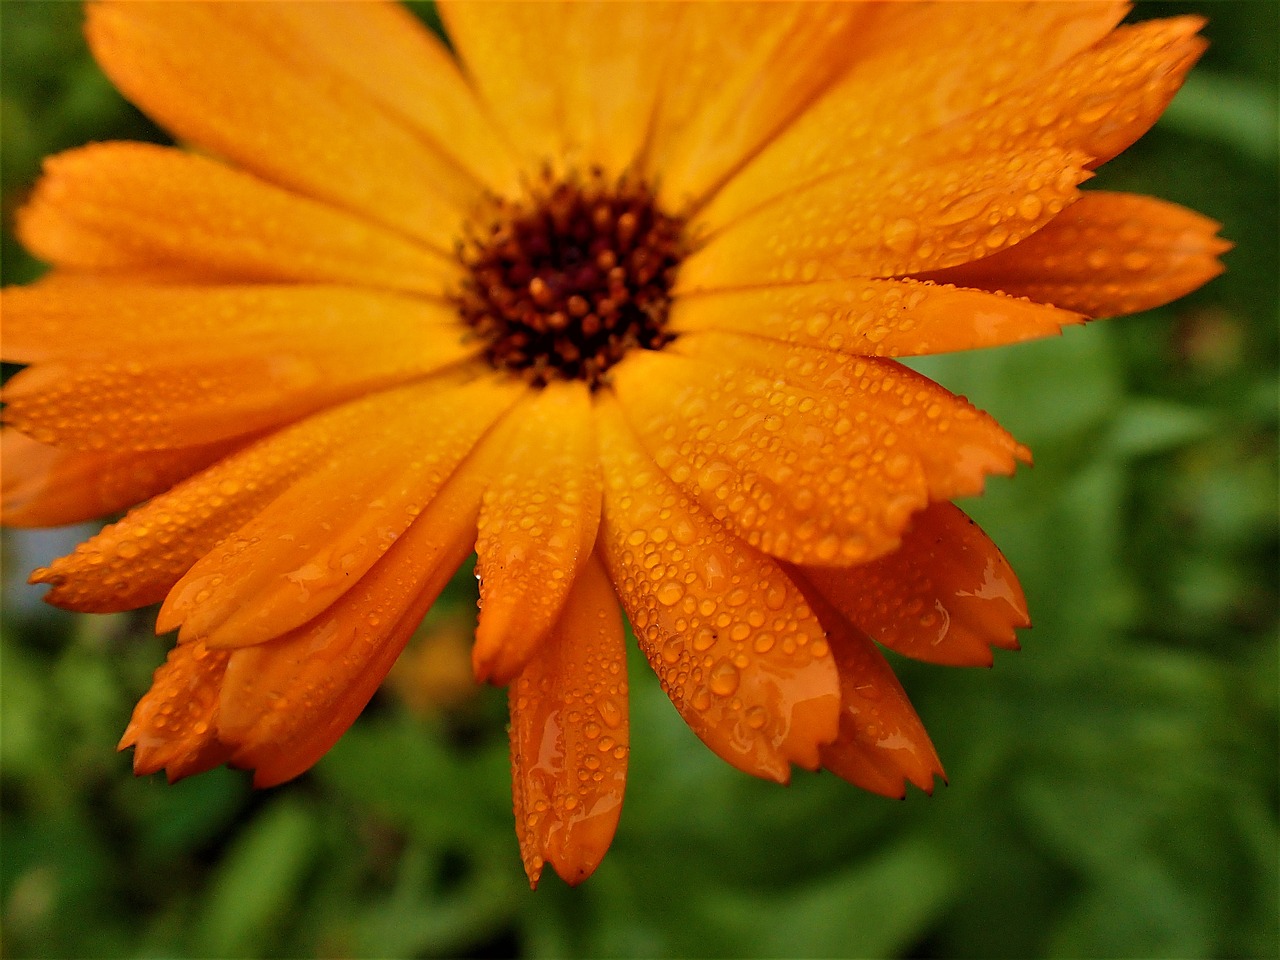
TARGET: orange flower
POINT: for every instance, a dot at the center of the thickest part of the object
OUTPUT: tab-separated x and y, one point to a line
611	298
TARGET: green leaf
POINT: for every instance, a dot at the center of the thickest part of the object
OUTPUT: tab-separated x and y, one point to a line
261	876
1237	113
1146	426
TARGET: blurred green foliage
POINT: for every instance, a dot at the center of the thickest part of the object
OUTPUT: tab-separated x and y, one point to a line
1114	786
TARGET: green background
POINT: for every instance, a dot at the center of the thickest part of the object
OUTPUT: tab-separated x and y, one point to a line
1113	786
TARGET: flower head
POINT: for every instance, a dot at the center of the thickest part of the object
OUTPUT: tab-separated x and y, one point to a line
609	295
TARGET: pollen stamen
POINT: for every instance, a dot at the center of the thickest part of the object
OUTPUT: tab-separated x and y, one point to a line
563	284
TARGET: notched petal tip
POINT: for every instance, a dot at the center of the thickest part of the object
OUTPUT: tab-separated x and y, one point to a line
946	596
533	871
882	743
1107	255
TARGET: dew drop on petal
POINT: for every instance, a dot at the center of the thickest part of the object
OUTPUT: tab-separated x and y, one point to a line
610	712
670	593
724	678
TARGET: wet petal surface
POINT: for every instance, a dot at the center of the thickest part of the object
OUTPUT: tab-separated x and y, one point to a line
285	703
1107	255
537	526
734	645
47	486
282	112
947	595
317	539
872	318
124	207
202	364
570	735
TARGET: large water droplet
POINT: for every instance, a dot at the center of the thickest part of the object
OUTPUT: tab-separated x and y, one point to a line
724	678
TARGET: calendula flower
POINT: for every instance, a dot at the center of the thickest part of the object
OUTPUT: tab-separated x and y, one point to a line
609	295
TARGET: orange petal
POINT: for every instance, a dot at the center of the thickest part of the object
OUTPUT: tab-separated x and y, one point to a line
537	526
732	641
916	67
174	726
138	560
882	743
924	209
319	537
286	702
135	206
569	735
1080	114
175	366
872	318
1106	255
957	445
1104	98
99	320
401	67
713	112
47	486
571	84
235	80
810	456
782	468
947	595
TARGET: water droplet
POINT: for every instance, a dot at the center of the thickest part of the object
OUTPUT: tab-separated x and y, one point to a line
670	592
610	712
724	678
900	235
1136	260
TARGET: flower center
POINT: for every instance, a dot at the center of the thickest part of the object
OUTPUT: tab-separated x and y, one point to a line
563	285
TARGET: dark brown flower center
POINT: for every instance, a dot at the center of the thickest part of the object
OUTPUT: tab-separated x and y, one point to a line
563	285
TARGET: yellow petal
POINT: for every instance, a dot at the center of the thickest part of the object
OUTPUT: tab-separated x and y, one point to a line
47	486
947	595
318	539
1106	255
537	525
570	735
733	642
201	364
137	561
286	702
234	80
873	318
126	207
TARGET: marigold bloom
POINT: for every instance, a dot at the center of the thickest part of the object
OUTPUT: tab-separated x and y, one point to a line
610	297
